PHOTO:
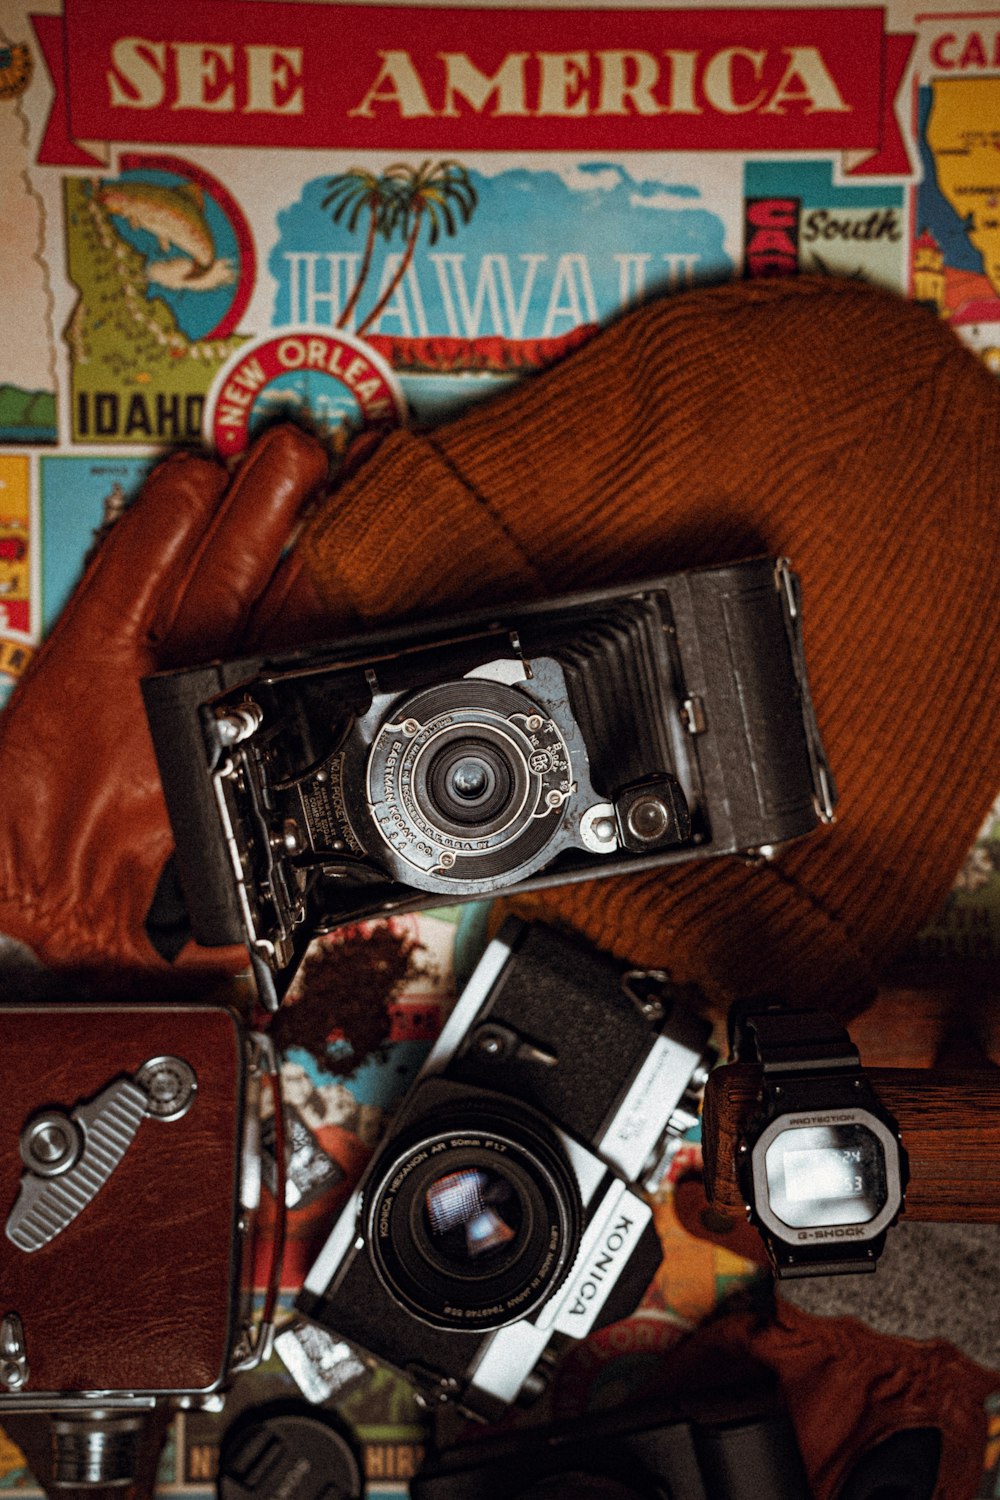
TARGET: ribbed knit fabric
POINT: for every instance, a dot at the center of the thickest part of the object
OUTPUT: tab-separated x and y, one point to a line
841	426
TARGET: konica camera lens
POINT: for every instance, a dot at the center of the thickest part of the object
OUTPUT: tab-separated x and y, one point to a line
470	1216
474	1227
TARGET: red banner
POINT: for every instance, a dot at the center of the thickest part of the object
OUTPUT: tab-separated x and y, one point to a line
449	78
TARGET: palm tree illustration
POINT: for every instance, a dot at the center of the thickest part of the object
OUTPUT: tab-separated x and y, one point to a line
349	195
440	194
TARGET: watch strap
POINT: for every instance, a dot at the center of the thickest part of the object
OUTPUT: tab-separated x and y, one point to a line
826	1260
792	1041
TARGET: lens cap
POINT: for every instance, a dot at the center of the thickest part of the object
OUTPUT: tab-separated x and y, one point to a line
293	1451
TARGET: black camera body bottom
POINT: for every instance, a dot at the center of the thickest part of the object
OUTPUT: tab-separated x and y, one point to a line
738	1448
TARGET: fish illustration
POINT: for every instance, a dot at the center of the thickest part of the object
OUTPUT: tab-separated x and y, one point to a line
180	274
175	215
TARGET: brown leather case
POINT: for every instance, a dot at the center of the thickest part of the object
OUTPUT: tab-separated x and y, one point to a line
138	1292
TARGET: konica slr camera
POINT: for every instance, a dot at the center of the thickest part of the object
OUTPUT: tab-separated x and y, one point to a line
129	1190
530	745
501	1219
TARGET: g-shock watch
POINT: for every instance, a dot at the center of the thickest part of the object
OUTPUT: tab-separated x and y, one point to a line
821	1165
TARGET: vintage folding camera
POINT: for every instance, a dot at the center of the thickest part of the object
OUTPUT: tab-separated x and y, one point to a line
498	751
501	1218
726	1444
129	1186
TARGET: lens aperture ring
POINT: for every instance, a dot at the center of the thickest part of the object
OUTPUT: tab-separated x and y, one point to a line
473	1228
468	782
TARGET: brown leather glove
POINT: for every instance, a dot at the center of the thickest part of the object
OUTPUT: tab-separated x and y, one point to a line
847	1388
84	836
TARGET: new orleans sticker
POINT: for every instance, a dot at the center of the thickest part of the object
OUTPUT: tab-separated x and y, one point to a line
331	380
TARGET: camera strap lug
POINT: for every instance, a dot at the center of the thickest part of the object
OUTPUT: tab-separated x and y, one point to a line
431	1388
645	988
693	715
13	1353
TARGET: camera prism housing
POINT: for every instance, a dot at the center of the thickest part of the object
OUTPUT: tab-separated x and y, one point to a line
500	751
501	1218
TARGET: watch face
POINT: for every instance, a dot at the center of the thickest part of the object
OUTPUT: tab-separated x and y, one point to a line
825	1174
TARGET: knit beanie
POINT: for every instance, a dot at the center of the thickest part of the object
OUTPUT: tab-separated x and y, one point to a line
822	420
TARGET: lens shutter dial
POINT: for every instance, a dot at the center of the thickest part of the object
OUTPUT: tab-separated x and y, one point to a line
469	781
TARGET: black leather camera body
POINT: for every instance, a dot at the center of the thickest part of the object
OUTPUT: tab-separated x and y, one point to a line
503	1217
729	1445
527	745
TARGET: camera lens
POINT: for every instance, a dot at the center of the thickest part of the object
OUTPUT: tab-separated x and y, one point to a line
470	782
467	784
471	1215
474	1227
